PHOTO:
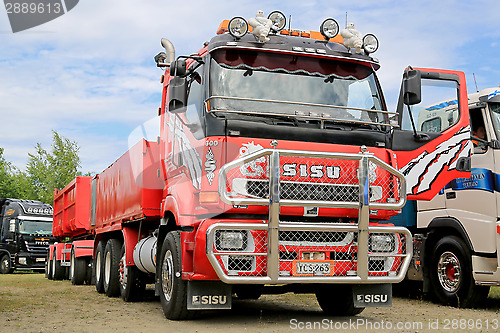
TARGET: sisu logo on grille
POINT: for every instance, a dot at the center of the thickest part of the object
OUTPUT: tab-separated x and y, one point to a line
26	14
314	171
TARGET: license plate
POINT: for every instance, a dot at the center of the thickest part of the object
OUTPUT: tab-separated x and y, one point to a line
312	268
40	259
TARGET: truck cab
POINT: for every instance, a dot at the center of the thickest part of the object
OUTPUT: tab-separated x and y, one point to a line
457	234
25	234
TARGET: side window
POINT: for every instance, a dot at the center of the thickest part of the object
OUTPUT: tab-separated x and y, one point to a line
194	102
478	130
438	109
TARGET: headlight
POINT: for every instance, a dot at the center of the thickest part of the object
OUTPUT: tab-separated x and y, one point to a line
370	43
237	27
231	240
329	28
279	20
22	260
382	243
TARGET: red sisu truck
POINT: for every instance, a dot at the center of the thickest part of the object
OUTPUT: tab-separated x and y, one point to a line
276	170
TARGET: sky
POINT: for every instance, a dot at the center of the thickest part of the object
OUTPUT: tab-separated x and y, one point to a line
90	74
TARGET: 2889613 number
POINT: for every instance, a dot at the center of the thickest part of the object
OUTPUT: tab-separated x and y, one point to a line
32	7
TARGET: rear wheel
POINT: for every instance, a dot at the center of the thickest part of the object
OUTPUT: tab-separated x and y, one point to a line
131	284
5	264
111	267
99	267
336	300
173	295
77	269
57	269
451	274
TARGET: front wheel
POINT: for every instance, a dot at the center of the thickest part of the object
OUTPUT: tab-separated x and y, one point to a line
451	274
173	293
336	300
5	264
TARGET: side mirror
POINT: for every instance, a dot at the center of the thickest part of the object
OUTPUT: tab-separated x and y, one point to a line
412	87
177	95
178	68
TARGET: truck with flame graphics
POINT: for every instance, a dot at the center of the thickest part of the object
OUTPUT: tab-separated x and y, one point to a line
457	234
277	168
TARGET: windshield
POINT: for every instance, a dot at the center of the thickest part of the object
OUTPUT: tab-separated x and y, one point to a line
495	115
290	85
35	227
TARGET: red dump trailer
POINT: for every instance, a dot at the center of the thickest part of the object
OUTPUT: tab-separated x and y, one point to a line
89	209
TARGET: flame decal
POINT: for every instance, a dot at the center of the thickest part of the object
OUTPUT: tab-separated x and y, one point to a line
422	171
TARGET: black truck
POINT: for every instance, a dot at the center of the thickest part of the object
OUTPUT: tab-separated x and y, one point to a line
25	234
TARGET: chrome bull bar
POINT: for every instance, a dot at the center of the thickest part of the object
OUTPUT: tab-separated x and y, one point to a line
274	225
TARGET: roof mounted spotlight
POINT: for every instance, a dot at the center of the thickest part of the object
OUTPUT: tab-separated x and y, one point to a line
279	20
329	28
370	43
237	27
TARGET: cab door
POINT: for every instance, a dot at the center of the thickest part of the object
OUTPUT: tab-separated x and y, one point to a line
432	144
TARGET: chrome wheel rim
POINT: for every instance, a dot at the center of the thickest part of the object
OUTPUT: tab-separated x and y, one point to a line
98	267
167	275
123	272
449	272
72	267
107	268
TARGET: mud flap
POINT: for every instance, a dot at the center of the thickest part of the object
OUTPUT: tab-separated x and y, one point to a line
372	295
208	295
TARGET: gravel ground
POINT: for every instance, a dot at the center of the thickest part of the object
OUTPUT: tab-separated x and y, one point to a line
31	303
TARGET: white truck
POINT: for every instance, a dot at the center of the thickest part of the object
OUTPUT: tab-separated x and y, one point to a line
457	234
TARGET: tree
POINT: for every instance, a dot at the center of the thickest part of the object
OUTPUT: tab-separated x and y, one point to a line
46	171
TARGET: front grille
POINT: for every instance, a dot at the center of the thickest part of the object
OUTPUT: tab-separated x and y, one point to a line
315	238
36	249
304	191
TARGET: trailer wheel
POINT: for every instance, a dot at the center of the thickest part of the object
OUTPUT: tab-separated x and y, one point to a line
77	269
57	269
5	264
336	300
451	274
48	273
99	267
131	286
111	267
173	295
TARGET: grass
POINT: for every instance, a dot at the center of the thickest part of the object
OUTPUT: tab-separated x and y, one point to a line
494	292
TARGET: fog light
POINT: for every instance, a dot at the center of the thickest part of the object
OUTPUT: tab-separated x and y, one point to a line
382	243
329	28
279	20
231	240
237	27
370	43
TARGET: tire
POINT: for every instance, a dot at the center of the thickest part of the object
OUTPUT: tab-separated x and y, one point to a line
132	284
99	267
451	274
48	273
248	291
336	300
57	270
5	264
111	267
173	293
77	269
